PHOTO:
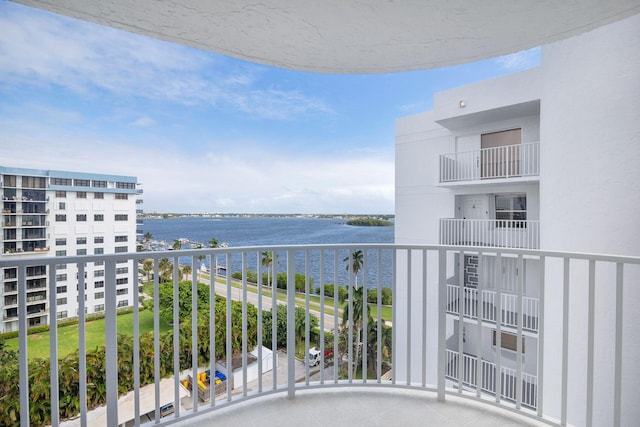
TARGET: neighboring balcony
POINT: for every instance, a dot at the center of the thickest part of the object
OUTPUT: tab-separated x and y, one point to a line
508	162
489	381
488	308
490	232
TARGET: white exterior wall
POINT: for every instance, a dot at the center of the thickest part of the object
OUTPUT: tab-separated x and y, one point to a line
590	169
587	198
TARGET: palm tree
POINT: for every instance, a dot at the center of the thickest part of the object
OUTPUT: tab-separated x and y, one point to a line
358	303
148	237
177	245
165	267
200	257
267	261
356	264
186	270
213	242
147	266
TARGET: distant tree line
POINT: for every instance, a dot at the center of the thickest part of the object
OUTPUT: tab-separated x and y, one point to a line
369	222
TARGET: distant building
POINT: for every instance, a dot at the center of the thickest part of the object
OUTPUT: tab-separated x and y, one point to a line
57	213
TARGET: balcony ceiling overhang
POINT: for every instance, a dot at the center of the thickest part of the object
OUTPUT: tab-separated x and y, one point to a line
351	36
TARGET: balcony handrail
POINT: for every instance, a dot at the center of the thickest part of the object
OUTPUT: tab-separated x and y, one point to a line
490	232
408	265
511	161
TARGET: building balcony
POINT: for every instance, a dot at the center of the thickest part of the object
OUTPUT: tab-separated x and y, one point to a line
490	232
411	375
489	382
512	162
487	307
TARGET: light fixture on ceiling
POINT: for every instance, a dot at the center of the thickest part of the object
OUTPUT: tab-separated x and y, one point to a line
462	103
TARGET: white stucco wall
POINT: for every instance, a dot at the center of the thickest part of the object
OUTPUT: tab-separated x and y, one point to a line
589	202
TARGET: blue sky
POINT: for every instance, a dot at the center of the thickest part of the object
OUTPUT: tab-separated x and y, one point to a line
201	131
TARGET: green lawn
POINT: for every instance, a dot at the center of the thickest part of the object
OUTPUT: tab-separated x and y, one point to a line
38	344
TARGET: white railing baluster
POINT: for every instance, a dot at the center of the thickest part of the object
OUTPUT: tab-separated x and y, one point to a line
617	374
590	338
111	352
53	350
82	346
291	323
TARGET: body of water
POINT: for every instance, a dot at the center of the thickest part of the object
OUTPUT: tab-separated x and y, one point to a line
262	231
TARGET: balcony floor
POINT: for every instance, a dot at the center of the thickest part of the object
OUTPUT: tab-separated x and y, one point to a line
357	406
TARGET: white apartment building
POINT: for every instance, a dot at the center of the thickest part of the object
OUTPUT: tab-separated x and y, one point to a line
547	158
58	213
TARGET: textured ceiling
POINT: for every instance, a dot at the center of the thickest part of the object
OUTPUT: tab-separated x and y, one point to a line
352	36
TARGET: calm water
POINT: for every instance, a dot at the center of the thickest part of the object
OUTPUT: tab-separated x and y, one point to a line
282	231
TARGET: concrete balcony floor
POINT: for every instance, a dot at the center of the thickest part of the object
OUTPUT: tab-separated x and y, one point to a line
359	406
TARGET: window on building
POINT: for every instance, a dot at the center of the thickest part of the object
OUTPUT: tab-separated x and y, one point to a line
122	217
62	314
81	182
81	217
98	239
98	195
61	194
34	182
61	181
61	253
124	291
124	303
81	240
511	210
62	206
61	241
9	180
120	196
61	218
81	252
122	270
98	263
122	281
81	195
121	239
61	301
508	341
98	295
98	307
61	290
98	251
61	267
120	249
126	185
98	217
61	277
100	184
99	284
98	273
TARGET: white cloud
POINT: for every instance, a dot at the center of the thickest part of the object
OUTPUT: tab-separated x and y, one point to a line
177	180
520	60
38	48
143	122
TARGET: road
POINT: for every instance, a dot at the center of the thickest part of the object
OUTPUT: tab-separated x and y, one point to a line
252	297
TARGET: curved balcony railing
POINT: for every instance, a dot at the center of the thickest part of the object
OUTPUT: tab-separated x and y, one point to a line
411	343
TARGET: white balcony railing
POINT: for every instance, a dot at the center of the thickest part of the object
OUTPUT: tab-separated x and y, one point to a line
490	232
487	307
412	354
508	378
511	161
